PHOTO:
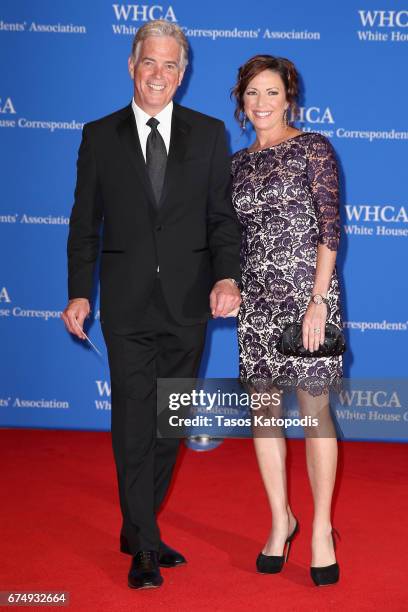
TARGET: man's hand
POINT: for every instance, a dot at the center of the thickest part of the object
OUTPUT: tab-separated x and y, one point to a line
224	297
74	316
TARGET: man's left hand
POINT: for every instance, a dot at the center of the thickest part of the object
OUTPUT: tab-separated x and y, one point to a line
224	298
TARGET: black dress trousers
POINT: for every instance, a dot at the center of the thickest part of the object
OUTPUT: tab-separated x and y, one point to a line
158	347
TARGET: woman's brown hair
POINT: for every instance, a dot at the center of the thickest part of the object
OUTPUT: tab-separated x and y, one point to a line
257	64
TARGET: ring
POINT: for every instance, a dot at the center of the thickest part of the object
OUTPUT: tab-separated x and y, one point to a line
317	330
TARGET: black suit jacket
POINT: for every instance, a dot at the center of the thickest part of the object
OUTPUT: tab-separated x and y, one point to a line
194	235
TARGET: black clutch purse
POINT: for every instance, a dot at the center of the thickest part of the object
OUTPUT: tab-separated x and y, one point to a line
291	342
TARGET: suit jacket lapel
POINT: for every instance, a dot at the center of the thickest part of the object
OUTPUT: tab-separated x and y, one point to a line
129	138
178	145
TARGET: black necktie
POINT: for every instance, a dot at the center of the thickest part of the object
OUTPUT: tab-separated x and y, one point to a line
156	158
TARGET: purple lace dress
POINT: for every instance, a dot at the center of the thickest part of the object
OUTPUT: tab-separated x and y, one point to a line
286	198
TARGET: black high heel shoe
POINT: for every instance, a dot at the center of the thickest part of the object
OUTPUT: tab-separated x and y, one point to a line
327	574
273	564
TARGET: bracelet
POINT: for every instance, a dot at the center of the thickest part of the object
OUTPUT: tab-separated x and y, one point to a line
318	298
321	300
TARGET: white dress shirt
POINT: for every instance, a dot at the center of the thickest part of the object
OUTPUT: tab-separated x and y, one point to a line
164	127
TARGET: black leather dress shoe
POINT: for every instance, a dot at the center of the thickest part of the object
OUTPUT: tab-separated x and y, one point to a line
144	571
169	557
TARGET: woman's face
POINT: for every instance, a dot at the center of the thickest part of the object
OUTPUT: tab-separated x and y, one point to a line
265	100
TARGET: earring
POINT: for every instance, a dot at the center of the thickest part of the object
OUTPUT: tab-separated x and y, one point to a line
285	119
243	122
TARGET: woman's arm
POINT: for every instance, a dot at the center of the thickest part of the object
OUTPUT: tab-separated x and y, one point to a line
324	184
316	314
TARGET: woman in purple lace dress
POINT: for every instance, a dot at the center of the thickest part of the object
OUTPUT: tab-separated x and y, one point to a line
285	192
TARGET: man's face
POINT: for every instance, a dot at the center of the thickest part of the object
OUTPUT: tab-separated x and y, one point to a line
157	73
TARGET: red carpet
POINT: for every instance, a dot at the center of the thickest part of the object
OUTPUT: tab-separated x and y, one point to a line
60	520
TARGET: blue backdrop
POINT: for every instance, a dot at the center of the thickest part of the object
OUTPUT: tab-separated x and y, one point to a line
65	63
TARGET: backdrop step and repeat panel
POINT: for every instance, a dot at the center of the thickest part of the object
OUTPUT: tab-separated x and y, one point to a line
65	63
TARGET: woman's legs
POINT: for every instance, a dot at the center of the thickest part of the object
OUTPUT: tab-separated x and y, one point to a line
321	457
270	448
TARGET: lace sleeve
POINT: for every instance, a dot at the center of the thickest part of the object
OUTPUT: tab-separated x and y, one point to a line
234	162
324	184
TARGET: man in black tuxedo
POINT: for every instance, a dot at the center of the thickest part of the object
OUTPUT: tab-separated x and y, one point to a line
155	177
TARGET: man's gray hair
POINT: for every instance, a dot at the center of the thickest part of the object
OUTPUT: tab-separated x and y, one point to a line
161	27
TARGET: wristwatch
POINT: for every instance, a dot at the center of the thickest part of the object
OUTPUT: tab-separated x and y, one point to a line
236	283
317	298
